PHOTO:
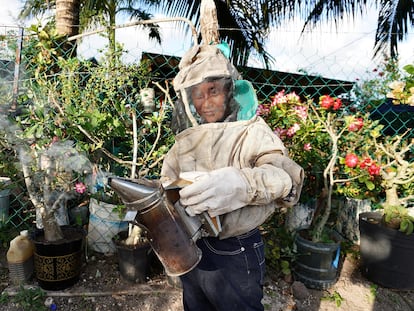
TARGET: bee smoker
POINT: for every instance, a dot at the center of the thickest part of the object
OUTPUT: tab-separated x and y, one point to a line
150	206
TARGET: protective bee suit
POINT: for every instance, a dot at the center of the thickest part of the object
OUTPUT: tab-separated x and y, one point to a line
240	172
248	144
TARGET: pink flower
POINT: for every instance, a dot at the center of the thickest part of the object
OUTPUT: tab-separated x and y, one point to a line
292	130
351	160
307	147
279	98
80	187
262	110
55	139
280	132
292	97
301	112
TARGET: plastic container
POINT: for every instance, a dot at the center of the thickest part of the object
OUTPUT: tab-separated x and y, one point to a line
104	223
4	200
133	260
317	264
20	258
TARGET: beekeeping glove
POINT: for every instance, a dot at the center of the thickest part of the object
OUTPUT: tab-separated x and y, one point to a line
217	192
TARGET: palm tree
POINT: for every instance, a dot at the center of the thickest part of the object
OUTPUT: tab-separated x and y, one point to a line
72	16
394	18
67	23
94	10
245	24
67	17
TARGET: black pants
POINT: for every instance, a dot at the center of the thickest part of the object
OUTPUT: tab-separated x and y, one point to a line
229	276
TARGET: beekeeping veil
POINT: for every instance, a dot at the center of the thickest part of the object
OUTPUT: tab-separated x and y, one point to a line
204	62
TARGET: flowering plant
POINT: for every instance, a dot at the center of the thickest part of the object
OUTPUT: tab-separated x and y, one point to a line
402	90
54	175
395	169
324	138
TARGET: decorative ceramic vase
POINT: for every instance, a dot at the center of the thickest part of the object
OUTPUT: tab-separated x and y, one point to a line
58	264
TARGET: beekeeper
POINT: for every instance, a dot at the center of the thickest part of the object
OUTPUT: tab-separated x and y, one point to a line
240	172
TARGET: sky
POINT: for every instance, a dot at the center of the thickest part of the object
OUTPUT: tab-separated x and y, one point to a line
342	53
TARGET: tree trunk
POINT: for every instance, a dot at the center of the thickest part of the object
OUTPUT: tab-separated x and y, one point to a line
391	197
67	23
52	230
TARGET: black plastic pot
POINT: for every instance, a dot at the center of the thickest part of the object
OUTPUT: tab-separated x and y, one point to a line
386	254
317	264
58	264
133	260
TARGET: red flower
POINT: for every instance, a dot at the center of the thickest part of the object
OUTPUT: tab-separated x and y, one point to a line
374	169
351	160
326	101
366	163
356	125
337	104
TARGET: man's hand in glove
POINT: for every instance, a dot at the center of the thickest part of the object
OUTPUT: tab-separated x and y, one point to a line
218	192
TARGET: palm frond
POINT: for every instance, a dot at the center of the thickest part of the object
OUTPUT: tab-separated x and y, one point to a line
393	23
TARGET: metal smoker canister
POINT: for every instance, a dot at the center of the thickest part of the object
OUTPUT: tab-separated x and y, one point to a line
168	237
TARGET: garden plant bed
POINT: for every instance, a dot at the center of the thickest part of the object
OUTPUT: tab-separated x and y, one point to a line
101	288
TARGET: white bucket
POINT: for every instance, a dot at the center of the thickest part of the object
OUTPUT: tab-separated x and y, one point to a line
104	224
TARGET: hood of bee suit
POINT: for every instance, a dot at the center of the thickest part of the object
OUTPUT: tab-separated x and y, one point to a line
207	61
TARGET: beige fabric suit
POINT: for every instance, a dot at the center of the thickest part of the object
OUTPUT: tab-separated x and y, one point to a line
250	146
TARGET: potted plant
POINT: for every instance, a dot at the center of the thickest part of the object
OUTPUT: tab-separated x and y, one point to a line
386	235
96	106
319	137
52	174
133	249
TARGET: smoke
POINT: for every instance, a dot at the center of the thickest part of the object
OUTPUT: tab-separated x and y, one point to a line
70	160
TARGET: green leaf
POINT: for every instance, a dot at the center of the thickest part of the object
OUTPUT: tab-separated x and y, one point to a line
370	185
30	132
39	131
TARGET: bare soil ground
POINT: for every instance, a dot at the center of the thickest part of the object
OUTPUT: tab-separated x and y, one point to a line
101	287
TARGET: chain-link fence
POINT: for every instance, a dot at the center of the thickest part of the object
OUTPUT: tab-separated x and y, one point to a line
25	65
